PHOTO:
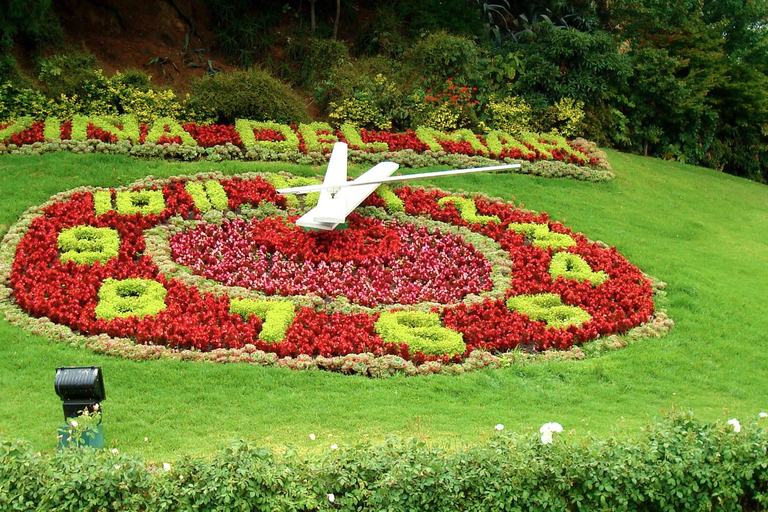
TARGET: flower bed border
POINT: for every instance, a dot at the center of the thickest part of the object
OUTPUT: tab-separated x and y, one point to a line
547	155
361	364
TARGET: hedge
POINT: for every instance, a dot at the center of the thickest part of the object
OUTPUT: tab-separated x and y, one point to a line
679	464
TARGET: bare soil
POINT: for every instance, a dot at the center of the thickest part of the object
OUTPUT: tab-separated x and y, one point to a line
129	34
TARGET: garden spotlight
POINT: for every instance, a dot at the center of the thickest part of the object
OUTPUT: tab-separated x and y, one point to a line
81	388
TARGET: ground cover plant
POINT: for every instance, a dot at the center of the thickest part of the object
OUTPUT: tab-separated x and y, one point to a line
547	154
712	258
419	279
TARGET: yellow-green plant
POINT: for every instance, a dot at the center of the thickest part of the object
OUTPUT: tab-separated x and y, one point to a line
512	115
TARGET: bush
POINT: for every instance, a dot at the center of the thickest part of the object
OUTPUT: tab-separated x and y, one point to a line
441	56
313	58
679	464
246	94
511	114
370	94
68	74
9	71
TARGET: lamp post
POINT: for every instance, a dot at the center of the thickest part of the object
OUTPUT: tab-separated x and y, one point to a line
81	389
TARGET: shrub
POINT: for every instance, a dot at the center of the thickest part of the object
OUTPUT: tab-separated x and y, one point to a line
313	58
510	114
440	56
679	464
246	94
566	117
68	73
368	94
17	101
9	71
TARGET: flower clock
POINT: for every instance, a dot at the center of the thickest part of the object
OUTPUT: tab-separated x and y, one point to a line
213	267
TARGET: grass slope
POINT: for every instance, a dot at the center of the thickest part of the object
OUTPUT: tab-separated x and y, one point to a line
702	232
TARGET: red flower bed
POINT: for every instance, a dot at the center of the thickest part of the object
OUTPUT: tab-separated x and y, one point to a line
377	264
208	136
370	262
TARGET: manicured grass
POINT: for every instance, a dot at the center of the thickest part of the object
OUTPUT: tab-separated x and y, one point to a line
702	232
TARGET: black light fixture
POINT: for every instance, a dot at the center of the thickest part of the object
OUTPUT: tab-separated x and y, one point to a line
81	389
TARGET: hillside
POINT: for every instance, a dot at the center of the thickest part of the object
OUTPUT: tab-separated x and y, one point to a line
698	230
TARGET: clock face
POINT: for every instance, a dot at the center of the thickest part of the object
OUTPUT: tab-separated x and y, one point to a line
208	263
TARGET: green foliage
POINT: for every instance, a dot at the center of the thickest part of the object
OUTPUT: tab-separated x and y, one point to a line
245	128
10	72
451	16
34	19
468	210
392	201
68	74
549	308
431	136
565	117
17	101
124	127
383	34
313	59
440	56
246	94
318	136
572	266
511	114
568	63
421	331
130	297
276	316
542	236
86	244
244	33
208	195
362	112
369	94
143	202
169	127
678	464
90	93
16	126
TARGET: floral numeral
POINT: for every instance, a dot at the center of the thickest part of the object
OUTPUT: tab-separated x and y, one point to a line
542	236
87	244
549	308
421	331
468	210
276	315
144	202
130	297
573	266
210	195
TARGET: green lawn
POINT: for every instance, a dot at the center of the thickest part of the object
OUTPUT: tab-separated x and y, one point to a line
704	233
